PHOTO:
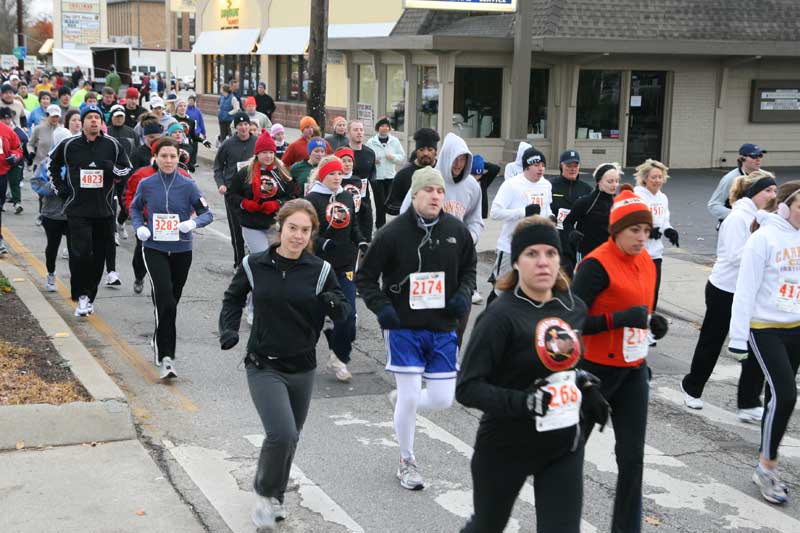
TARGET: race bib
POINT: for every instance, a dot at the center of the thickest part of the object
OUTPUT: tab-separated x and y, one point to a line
307	188
657	210
165	227
241	164
561	217
426	290
565	406
91	178
364	185
634	344
536	197
788	297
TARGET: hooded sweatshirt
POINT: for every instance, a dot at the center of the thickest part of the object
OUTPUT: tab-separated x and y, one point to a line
390	147
659	208
768	287
512	169
733	234
462	194
339	234
509	204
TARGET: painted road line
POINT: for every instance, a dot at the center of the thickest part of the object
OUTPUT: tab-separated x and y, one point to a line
790	447
453	500
106	332
312	497
704	494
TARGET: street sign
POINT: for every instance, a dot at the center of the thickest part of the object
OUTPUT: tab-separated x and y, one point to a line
20	52
508	6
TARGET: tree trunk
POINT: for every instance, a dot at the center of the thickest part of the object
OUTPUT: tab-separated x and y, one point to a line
317	54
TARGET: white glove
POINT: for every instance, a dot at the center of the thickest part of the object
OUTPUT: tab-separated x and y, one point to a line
143	233
187	225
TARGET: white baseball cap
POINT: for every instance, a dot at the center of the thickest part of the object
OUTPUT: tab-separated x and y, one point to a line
53	111
117	110
155	102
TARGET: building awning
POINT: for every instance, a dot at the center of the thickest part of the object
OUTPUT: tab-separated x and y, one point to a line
226	42
293	40
47	48
72	58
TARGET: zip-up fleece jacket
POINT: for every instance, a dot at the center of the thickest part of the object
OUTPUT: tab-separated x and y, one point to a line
768	286
513	344
240	190
400	249
126	137
133	183
79	153
385	168
733	234
288	313
337	224
233	151
52	204
589	215
169	194
565	192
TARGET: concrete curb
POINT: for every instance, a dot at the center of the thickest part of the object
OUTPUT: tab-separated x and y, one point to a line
107	418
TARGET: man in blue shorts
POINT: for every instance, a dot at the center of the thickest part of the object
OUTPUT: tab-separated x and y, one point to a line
427	261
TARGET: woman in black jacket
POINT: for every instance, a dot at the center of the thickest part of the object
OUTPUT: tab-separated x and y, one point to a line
338	242
292	291
520	369
587	222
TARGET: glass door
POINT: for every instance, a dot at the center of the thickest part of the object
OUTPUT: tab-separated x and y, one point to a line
645	116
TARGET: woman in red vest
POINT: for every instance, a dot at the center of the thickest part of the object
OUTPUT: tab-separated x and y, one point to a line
617	282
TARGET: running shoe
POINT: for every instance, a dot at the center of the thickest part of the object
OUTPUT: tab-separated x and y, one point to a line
168	368
122	232
772	489
50	283
651	341
138	286
409	476
338	368
91	308
752	415
65	253
3	247
279	508
263	514
17	209
83	306
477	299
690	401
116	239
112	280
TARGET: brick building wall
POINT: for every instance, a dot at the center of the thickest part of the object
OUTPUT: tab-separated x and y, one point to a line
146	19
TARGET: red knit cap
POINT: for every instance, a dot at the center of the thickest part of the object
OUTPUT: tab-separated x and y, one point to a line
628	210
345	151
264	143
132	93
250	100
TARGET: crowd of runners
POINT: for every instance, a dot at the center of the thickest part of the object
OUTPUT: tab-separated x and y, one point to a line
560	347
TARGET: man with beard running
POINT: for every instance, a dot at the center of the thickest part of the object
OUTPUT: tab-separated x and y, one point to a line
424	155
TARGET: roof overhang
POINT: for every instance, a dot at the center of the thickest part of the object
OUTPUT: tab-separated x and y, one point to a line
678	47
226	42
423	42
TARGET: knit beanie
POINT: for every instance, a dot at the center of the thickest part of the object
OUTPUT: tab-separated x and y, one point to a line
90	109
306	122
424	177
532	156
276	129
149	129
339	119
264	143
250	100
315	142
628	210
426	138
383	121
478	165
175	127
530	234
345	151
132	93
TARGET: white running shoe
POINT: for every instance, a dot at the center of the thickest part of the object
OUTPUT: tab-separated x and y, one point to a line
409	475
17	209
263	514
477	299
84	307
168	368
50	283
65	253
339	368
122	232
116	239
112	280
279	510
772	489
752	415
690	401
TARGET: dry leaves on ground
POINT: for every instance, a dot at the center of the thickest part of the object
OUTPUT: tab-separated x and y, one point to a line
20	384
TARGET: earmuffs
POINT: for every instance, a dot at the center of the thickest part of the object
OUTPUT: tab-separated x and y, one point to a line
783	207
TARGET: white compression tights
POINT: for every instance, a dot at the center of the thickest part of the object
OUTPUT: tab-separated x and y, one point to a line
437	395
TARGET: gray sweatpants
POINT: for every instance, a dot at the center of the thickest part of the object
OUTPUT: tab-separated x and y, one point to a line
282	401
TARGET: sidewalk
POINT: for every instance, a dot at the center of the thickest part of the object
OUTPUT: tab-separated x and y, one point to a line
78	466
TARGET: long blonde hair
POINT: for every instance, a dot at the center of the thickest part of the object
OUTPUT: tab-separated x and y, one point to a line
279	167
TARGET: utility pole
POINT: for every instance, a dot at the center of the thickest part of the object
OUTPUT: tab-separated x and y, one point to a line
317	54
20	33
168	47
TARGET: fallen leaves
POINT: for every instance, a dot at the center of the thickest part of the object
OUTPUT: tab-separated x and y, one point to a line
652	521
20	445
140	512
21	384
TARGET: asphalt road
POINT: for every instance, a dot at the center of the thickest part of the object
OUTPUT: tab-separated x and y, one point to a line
204	431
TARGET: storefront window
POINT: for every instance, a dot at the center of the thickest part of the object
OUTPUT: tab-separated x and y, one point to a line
537	103
478	93
396	96
427	97
597	111
223	69
292	78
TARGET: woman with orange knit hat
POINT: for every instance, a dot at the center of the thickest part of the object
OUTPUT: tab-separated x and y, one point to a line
298	150
617	282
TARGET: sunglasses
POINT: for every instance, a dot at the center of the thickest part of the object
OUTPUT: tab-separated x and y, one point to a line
759	156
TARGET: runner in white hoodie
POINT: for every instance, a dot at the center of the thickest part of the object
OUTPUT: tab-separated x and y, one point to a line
766	315
516	167
462	197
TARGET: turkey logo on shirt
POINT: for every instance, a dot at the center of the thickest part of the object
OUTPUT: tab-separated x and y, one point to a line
338	215
268	186
557	345
356	193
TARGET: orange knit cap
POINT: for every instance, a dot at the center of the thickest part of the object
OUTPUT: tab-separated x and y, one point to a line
628	210
306	122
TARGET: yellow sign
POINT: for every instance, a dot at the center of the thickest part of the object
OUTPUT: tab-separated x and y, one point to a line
507	6
229	16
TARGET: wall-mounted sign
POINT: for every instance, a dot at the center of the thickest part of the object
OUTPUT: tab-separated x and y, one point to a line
80	23
775	101
229	16
507	6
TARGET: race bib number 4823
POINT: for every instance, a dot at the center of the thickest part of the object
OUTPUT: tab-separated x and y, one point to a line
91	178
426	290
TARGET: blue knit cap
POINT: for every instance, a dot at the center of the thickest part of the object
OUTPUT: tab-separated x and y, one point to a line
91	108
477	165
316	142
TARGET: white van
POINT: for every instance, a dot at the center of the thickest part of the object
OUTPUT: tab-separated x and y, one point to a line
140	71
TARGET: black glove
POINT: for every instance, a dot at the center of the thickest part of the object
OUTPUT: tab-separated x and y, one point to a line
538	398
388	318
585	379
575	238
658	326
532	209
672	235
655	233
228	340
633	317
363	247
458	306
206	143
594	407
